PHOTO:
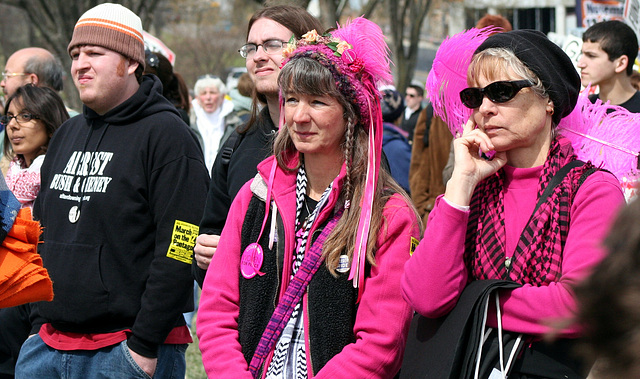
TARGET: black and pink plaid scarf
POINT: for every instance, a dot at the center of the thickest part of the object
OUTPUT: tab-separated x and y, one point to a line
537	259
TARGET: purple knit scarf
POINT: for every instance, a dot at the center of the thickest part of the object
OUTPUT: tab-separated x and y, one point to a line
537	259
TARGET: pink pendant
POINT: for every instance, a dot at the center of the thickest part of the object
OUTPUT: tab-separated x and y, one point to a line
251	261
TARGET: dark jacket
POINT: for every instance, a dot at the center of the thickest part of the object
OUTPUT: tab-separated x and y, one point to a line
632	105
409	124
259	296
228	175
398	152
430	151
120	202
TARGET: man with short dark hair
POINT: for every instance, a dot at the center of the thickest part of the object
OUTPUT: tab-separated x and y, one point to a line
609	50
123	188
413	97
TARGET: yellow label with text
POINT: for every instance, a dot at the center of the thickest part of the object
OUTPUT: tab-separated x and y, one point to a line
183	239
414	245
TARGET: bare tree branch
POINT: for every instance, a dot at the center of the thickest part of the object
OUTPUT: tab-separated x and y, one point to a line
368	8
54	21
410	14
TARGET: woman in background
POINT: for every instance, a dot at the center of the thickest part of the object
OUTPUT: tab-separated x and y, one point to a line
209	116
31	115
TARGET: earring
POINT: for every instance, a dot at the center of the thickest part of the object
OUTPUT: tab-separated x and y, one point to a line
551	112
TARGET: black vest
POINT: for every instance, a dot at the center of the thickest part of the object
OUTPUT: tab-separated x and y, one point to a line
331	300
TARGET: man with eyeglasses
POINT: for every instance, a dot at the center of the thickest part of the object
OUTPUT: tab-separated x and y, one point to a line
31	65
123	188
414	95
268	32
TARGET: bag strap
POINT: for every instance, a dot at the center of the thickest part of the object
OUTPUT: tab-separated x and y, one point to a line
556	180
232	143
484	335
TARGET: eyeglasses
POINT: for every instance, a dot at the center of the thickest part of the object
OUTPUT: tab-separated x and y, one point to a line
410	95
271	46
6	75
498	92
20	118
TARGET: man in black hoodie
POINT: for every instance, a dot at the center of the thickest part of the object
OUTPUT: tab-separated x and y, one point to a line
123	188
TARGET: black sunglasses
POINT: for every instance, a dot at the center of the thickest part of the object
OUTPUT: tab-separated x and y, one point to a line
498	92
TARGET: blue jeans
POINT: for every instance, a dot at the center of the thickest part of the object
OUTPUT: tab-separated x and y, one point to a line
37	360
188	316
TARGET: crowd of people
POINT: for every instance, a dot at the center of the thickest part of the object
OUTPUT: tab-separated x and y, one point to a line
313	204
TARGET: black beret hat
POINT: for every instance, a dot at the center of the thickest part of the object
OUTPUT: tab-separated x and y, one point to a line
548	61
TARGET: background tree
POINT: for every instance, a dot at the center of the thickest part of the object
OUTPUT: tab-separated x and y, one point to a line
204	34
406	18
52	23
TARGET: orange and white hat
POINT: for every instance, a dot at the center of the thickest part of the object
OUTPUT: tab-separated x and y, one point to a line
111	26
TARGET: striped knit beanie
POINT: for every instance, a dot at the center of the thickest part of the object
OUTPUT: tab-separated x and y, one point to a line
111	26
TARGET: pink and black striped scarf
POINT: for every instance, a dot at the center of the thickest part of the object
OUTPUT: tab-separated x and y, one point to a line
537	259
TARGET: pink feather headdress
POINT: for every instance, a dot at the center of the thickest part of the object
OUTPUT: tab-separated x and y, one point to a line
358	58
448	76
607	135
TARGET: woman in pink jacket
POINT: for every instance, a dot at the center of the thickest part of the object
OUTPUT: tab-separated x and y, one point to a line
484	227
306	278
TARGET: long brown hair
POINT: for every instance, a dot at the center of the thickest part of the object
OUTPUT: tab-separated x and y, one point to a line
292	17
308	76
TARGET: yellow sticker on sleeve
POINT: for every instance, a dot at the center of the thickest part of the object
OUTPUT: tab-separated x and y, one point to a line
183	239
414	245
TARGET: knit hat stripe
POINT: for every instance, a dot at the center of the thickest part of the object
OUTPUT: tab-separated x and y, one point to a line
111	25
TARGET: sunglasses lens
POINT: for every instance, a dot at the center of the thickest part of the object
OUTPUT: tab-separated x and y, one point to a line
500	92
497	92
471	97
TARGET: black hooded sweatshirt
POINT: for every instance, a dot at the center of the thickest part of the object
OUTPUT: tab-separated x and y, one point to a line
121	198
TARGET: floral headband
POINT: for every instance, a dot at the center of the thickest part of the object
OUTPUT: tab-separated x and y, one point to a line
341	49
